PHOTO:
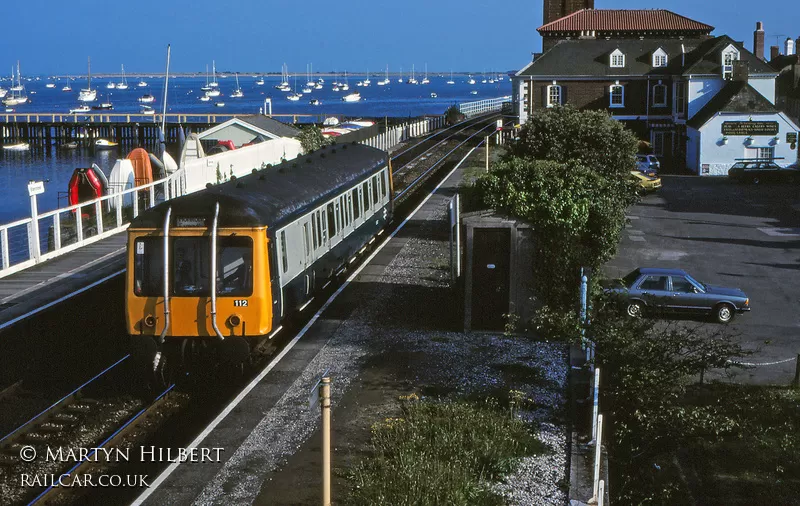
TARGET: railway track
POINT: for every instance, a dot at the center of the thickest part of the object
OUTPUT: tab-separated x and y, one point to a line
78	420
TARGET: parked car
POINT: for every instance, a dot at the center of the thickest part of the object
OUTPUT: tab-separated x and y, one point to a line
757	171
675	291
646	183
647	164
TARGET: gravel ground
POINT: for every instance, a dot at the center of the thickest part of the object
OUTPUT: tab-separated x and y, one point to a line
399	340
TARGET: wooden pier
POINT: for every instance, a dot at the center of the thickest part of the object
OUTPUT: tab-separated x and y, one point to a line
46	128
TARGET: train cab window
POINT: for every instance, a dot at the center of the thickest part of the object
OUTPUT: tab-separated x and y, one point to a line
148	267
375	189
284	256
192	262
356	204
384	186
365	197
331	220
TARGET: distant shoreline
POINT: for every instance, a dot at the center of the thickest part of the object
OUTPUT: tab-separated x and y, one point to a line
266	74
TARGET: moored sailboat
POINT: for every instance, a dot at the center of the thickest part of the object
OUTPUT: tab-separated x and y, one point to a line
88	94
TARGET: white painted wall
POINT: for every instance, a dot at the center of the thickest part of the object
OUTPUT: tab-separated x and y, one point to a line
242	161
701	90
721	156
765	86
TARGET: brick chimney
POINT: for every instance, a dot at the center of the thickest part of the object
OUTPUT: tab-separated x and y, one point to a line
788	47
774	52
758	40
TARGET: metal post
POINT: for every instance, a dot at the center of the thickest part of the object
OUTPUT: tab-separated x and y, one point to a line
601	494
325	394
796	381
486	139
583	293
596	388
35	250
166	276
458	235
597	451
214	273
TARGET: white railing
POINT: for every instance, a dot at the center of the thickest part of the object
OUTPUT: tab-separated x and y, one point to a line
483	106
41	237
393	136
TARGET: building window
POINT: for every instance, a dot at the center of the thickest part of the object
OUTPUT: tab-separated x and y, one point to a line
680	97
553	95
659	58
617	59
660	95
658	143
729	55
766	153
616	96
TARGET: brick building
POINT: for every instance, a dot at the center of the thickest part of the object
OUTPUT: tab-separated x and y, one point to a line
654	70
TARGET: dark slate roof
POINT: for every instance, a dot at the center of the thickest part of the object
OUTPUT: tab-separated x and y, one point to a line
784	62
270	125
276	195
589	57
736	96
625	20
707	58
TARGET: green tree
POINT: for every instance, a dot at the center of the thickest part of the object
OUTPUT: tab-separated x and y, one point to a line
577	216
311	138
453	115
592	138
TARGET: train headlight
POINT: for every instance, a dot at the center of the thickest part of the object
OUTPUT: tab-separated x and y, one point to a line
149	321
234	320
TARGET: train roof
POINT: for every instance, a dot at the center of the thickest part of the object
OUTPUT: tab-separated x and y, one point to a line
274	195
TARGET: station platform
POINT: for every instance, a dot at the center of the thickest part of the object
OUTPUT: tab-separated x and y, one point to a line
28	292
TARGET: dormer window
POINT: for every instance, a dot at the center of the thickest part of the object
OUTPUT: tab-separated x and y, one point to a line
659	58
617	59
729	55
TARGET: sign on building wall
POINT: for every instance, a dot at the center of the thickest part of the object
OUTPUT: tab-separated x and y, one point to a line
750	128
791	137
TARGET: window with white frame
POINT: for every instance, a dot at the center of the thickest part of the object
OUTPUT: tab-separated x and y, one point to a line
659	58
660	94
553	95
616	95
658	143
680	97
766	153
617	59
729	55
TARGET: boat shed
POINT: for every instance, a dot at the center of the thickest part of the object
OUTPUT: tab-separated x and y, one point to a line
235	148
498	274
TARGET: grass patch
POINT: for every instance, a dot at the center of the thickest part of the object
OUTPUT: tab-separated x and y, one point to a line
441	453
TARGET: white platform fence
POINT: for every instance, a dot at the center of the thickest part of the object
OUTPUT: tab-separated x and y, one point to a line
42	236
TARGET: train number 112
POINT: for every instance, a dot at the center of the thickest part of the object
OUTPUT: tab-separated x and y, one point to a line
240	303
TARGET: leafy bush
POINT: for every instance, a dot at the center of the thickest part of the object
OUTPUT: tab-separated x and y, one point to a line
311	139
590	138
577	216
453	115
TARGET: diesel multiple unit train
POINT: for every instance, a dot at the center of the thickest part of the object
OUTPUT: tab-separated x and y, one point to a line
223	267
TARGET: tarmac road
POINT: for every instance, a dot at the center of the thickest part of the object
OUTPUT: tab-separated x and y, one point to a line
745	236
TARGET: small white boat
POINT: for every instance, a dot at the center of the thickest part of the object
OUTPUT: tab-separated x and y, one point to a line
104	106
146	109
219	104
314	101
471	80
67	88
237	93
111	85
473	92
352	97
260	81
50	85
294	97
80	109
434	95
10	109
147	99
105	144
205	98
344	87
318	86
142	84
20	146
306	90
3	92
88	94
335	88
123	85
213	93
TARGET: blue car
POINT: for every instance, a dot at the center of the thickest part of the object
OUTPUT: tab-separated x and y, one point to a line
675	291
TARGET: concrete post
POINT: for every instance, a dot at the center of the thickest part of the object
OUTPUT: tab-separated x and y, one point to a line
598	449
596	388
325	397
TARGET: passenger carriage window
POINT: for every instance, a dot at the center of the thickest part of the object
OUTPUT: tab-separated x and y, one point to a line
349	209
306	240
384	186
314	231
339	222
331	220
323	221
356	204
365	196
374	189
318	227
284	257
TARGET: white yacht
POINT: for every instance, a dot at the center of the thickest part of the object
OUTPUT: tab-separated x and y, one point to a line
123	85
237	93
18	95
88	94
425	80
451	78
142	84
352	97
80	109
111	85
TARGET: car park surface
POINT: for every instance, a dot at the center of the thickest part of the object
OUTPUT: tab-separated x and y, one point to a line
732	235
